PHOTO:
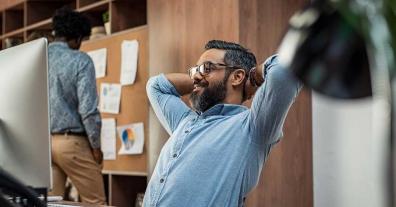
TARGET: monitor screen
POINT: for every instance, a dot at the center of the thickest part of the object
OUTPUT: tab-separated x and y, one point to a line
24	114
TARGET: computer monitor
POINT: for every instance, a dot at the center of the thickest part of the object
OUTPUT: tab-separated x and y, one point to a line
25	150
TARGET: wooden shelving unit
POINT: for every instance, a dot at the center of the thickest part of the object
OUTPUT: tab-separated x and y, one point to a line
122	188
20	20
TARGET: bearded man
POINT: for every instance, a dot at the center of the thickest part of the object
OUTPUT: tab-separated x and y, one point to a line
217	148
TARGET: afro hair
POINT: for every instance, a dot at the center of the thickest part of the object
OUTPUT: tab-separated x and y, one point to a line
70	24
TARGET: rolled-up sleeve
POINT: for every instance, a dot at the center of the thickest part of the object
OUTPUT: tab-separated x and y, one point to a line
88	102
271	103
166	102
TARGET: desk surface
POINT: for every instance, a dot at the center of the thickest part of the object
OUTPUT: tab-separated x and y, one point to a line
76	204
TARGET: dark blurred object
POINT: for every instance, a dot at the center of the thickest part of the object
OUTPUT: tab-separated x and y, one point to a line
21	194
12	41
97	32
347	49
327	53
139	200
39	34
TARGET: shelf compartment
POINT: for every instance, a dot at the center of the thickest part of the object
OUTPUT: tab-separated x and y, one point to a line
127	14
43	28
124	189
13	38
13	18
38	33
39	10
95	12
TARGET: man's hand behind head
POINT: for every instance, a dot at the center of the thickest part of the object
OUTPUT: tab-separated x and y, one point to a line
255	80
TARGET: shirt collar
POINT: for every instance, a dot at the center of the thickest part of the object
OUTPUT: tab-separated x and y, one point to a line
60	44
224	110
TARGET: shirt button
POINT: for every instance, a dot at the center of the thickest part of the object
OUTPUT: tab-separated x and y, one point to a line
174	155
162	180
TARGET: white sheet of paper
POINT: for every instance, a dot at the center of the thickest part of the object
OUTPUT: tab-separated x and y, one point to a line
110	97
99	58
108	138
129	58
132	138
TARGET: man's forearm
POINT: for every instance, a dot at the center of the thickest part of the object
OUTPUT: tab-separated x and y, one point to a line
182	82
92	125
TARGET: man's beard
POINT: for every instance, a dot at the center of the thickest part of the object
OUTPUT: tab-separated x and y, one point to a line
209	97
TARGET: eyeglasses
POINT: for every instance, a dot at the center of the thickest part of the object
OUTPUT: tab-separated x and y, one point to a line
207	67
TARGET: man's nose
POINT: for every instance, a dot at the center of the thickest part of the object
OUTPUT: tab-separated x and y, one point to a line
197	77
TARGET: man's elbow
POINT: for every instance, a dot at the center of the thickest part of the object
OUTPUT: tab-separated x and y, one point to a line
152	85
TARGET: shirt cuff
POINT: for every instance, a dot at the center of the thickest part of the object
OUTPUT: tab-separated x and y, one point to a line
94	142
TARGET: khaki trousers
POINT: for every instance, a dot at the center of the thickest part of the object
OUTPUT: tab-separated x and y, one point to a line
72	157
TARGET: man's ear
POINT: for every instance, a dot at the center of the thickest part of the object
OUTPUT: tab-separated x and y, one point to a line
238	77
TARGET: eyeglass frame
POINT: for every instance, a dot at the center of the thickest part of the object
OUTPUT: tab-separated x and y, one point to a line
249	74
203	74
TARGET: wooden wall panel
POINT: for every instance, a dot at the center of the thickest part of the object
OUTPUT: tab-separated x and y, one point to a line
263	22
179	30
287	178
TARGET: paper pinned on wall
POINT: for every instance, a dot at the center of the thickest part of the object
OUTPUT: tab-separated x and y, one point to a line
108	138
129	59
132	138
99	59
110	97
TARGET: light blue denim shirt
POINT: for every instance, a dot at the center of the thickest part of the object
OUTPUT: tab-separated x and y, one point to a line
215	158
72	92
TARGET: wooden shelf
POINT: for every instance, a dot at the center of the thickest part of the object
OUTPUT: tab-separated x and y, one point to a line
132	173
28	16
15	33
18	6
83	3
98	6
45	24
